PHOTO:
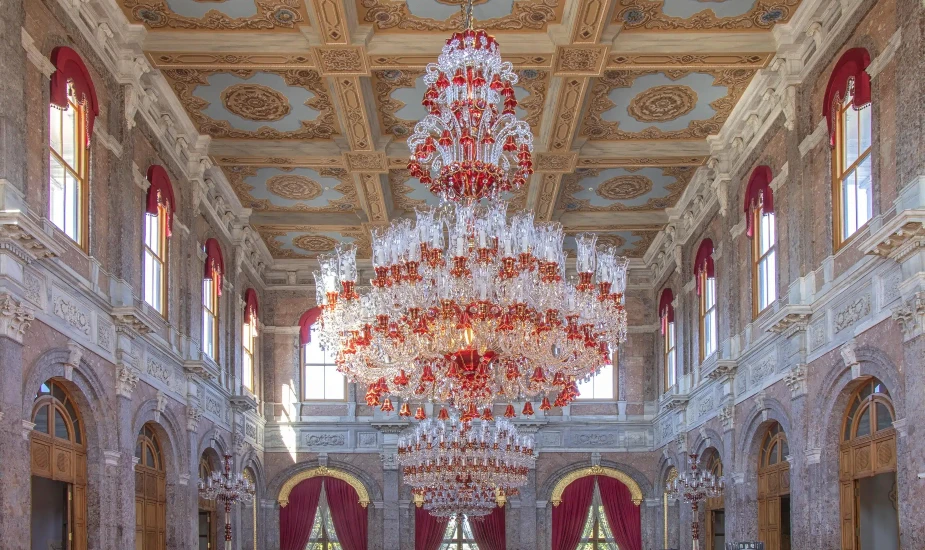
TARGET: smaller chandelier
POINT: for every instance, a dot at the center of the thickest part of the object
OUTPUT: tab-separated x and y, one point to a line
227	488
460	466
694	487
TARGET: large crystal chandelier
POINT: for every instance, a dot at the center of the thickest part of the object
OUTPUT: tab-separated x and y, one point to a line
461	466
227	488
469	307
694	487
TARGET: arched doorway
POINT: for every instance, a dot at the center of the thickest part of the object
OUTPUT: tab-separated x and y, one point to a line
715	509
867	472
59	470
207	516
150	492
774	490
668	537
249	517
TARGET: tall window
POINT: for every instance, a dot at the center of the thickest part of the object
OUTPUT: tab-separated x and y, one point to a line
666	317
603	385
458	535
323	536
248	362
759	211
211	290
69	167
155	260
847	111
596	534
706	289
321	381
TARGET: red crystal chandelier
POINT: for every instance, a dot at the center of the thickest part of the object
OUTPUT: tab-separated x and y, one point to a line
470	306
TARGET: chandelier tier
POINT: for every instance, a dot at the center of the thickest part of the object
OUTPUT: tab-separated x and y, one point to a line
471	145
460	466
227	488
694	487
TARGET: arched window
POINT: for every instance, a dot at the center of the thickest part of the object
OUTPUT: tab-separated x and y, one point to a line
59	469
759	213
159	208
320	378
774	449
211	290
870	411
603	385
596	534
706	291
715	512
670	360
846	108
73	109
249	334
150	492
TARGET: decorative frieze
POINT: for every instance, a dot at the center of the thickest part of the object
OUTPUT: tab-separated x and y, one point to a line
15	318
71	311
790	319
324	440
851	312
727	417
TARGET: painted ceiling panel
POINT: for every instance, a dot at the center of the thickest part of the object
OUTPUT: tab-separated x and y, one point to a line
309	241
217	15
266	189
445	15
632	244
614	189
702	15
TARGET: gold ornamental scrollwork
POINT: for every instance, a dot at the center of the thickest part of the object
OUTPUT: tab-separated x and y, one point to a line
635	491
323	471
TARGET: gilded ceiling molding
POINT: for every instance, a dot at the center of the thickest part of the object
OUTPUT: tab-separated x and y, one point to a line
332	20
311	242
647	15
185	82
596	128
635	491
353	108
271	14
688	61
376	208
562	163
293	187
368	161
282	162
590	22
342	60
580	60
401	190
641	162
323	471
549	190
225	61
566	122
623	187
526	15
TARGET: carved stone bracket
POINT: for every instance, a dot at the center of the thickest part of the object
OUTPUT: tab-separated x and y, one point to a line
132	318
790	320
161	406
242	403
724	368
390	427
900	237
911	315
25	239
15	318
203	368
676	402
126	380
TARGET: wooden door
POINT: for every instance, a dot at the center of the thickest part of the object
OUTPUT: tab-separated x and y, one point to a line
150	494
772	509
773	483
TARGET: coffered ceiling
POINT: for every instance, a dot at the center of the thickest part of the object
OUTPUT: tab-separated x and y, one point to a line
308	103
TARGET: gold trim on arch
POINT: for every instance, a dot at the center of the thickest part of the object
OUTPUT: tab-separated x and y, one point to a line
631	484
323	471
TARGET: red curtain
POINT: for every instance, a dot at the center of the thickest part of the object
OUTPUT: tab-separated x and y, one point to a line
758	189
305	324
70	68
160	193
704	261
489	531
297	517
428	530
350	519
665	309
215	263
250	304
568	518
622	514
851	65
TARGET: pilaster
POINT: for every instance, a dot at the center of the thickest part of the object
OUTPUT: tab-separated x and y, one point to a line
15	472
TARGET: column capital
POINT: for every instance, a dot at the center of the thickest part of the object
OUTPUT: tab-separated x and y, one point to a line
15	318
126	380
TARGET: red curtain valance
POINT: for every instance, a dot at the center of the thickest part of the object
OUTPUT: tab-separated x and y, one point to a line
70	68
665	309
704	261
305	324
250	305
215	263
758	192
851	66
490	532
160	192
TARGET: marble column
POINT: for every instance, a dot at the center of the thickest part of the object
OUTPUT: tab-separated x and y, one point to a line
525	514
120	482
391	513
800	481
12	97
15	465
910	447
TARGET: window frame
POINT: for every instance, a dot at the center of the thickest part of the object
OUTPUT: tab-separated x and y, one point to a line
839	171
597	540
705	280
458	540
670	343
759	257
80	173
304	373
858	405
210	309
248	340
160	256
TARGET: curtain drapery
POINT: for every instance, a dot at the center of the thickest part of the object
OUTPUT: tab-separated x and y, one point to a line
622	515
350	519
568	518
297	517
428	530
490	531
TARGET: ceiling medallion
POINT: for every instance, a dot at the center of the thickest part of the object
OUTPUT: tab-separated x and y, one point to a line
255	102
294	187
662	103
625	187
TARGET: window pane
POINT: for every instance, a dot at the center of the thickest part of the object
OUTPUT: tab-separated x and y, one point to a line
865	191
850	121
863	424
71	205
884	418
54	124
849	205
69	138
152	232
314	353
333	383
314	382
672	369
61	426
772	454
207	294
56	192
865	128
41	419
599	386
